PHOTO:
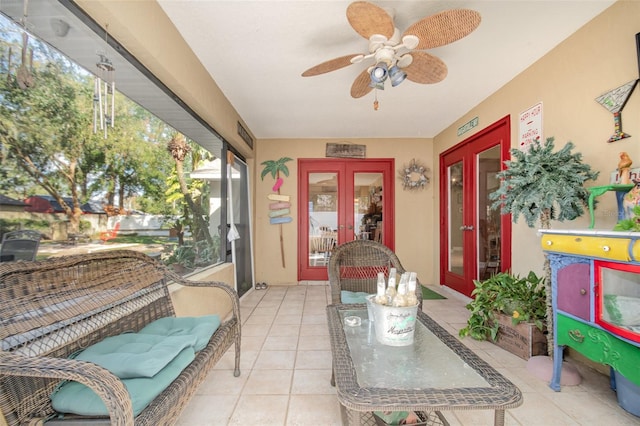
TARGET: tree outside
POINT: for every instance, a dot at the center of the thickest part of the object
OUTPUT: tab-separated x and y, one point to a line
48	145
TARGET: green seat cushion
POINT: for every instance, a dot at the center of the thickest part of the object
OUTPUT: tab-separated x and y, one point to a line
353	296
76	398
202	327
132	355
393	417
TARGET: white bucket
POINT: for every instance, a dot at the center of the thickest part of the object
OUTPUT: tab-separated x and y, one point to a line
394	325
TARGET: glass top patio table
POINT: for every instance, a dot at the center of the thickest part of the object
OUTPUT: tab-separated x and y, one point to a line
436	372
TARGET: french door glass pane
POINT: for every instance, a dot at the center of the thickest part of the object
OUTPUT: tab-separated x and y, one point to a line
488	165
367	206
455	190
323	217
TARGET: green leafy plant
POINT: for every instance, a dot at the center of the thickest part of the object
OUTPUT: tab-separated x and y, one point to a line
182	255
543	185
631	224
523	299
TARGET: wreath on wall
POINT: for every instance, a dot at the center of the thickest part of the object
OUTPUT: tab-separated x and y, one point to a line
414	176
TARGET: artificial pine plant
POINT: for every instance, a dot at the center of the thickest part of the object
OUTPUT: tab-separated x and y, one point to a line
543	185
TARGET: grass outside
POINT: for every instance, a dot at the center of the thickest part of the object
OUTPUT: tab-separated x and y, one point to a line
142	243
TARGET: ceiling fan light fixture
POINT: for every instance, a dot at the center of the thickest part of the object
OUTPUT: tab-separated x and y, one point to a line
379	72
377	86
396	75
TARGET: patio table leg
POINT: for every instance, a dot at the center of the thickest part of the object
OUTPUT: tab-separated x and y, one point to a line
498	419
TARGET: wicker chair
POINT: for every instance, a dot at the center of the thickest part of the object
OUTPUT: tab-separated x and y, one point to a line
354	266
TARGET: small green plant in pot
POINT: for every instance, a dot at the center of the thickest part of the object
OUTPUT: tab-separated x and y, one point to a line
521	298
630	224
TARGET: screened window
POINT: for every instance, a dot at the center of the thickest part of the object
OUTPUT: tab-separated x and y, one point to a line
90	139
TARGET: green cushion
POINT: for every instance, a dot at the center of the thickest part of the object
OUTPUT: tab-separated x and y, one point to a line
136	355
393	417
353	296
76	398
202	327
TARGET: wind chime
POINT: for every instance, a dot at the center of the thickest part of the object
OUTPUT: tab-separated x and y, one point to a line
24	74
104	93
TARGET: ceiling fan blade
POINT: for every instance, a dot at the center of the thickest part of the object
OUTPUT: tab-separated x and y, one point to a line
368	19
426	68
360	86
330	65
444	27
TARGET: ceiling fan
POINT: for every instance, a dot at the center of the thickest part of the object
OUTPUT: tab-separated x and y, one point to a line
396	56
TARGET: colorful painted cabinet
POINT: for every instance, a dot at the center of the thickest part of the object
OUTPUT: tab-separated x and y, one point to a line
595	280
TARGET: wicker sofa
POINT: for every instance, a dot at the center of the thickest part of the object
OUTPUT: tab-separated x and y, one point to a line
51	309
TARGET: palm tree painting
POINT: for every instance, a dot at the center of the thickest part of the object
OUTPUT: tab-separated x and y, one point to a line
279	209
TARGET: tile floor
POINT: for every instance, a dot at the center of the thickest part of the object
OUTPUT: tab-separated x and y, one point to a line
286	367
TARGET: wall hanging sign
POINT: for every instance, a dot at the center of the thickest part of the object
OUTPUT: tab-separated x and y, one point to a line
414	175
615	100
346	150
530	126
244	134
468	126
280	205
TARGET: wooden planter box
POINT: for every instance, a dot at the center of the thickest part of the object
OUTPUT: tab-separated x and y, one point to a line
524	340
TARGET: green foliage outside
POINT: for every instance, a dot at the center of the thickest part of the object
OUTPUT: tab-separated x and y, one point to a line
139	239
192	256
522	298
8	225
49	147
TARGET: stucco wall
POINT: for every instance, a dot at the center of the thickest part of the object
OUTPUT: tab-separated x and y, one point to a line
195	301
597	58
413	209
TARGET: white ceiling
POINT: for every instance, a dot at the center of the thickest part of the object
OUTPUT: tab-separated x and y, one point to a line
257	50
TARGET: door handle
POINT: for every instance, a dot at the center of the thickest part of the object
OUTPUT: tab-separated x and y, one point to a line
466	228
350	227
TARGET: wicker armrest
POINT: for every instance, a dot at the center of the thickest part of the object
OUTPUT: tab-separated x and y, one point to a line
106	385
233	295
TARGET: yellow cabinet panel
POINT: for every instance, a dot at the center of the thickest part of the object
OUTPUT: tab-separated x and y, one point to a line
591	246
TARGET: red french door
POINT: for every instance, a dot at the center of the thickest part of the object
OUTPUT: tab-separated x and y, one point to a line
475	239
340	200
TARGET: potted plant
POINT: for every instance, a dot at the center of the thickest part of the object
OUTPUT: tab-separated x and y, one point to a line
630	224
509	310
543	185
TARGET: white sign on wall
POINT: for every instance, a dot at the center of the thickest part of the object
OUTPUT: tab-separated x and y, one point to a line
530	126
